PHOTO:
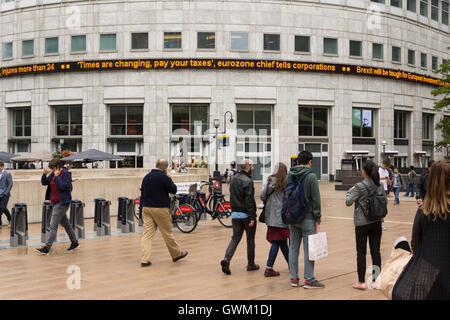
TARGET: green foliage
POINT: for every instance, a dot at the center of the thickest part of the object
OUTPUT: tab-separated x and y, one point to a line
443	105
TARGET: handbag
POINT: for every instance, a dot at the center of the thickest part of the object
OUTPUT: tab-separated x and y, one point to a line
317	246
262	216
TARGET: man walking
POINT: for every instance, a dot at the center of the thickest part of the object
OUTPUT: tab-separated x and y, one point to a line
422	184
308	226
412	180
232	171
6	184
60	183
155	200
243	207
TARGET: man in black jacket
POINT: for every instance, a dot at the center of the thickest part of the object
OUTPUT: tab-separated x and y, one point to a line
422	184
243	207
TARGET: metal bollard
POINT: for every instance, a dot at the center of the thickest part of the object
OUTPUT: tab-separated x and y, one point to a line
77	218
47	210
125	216
141	219
19	225
102	221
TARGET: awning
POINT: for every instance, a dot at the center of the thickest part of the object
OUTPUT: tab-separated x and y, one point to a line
391	152
357	152
420	153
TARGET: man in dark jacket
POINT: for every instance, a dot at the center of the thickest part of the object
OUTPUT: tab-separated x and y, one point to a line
243	207
155	200
422	184
306	227
60	183
6	184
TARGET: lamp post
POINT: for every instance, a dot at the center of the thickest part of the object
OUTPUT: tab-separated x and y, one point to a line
216	171
384	143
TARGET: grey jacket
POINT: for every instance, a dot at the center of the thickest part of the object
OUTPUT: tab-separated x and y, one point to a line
273	204
358	195
6	184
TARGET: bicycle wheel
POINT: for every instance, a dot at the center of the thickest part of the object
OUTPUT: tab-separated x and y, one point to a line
223	213
185	218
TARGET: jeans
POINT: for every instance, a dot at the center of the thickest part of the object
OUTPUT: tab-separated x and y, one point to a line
372	231
276	245
410	188
3	203
59	217
239	226
301	231
396	192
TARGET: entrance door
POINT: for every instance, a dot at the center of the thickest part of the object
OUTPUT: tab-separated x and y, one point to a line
260	153
319	163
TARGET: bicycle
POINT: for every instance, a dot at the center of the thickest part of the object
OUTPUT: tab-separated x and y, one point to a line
214	204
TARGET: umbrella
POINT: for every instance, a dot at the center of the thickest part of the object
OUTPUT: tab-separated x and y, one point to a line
33	156
92	155
6	157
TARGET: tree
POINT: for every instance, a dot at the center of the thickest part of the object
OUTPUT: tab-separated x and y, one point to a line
443	105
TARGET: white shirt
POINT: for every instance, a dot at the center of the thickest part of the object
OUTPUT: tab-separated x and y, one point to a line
383	173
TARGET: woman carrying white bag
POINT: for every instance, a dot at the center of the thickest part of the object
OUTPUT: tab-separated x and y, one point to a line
366	228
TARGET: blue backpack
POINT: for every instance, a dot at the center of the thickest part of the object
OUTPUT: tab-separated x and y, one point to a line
295	206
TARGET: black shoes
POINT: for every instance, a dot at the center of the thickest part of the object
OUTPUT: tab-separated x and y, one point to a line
44	250
183	254
252	267
225	267
73	246
148	264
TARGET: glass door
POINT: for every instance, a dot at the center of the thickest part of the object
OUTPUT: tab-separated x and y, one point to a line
319	163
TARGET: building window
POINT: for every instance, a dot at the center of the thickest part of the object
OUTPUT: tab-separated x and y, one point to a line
108	42
312	121
172	40
400	118
435	10
377	51
272	42
189	119
434	63
254	120
411	5
424	8
423	60
126	120
51	45
206	40
21	122
302	44
139	41
411	57
330	46
378	1
397	3
362	122
445	12
78	44
27	48
355	48
239	41
427	126
7	50
396	54
68	121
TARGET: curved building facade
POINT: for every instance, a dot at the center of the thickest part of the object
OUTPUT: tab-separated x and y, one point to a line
346	79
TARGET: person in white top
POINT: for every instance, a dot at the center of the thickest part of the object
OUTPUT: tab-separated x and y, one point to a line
384	174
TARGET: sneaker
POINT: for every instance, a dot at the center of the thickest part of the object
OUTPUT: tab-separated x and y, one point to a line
146	264
73	246
313	285
225	267
252	267
183	254
271	273
44	250
294	282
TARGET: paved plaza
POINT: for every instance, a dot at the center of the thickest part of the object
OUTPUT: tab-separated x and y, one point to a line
110	266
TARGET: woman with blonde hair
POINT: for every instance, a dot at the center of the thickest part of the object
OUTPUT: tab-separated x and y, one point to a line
427	275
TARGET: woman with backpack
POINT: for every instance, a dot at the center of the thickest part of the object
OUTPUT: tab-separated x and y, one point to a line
365	226
277	232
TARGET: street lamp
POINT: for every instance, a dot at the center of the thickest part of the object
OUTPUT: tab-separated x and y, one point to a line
384	143
216	125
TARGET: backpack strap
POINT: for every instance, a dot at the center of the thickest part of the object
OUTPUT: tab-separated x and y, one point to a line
368	192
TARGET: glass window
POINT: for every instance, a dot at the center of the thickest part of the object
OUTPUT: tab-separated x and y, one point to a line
355	48
411	5
435	10
239	41
139	40
272	42
78	44
68	120
126	147
362	123
411	57
427	126
190	119
324	165
305	121
51	45
397	3
423	60
7	50
396	54
378	1
108	42
330	46
27	48
126	120
424	8
377	51
313	147
434	63
21	122
23	147
400	118
445	12
302	43
172	40
254	120
313	122
206	40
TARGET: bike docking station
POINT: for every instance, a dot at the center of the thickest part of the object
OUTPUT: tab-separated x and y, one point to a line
102	220
19	225
125	215
47	210
77	218
137	201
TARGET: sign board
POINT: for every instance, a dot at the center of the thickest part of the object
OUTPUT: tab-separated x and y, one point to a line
183	187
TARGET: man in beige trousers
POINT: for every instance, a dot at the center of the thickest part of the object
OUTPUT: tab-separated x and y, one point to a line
155	190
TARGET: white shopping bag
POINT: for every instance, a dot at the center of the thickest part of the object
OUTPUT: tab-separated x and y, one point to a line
317	246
